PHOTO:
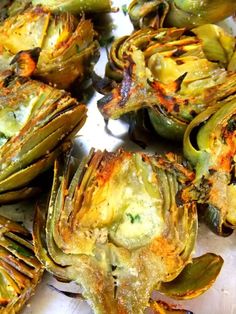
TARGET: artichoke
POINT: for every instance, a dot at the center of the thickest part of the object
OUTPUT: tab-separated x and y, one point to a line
20	271
68	46
179	13
157	70
36	122
113	225
210	144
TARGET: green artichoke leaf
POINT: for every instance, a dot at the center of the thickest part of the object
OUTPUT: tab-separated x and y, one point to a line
41	122
191	13
213	155
178	13
20	271
19	195
113	225
159	73
74	6
195	278
224	43
148	13
68	49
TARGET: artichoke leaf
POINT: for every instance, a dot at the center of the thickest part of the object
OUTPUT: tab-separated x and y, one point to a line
191	13
20	271
195	278
224	44
74	6
19	195
148	13
21	177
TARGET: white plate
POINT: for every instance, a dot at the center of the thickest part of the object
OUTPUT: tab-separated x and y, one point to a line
220	299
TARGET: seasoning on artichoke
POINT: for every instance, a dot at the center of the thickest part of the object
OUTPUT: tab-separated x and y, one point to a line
36	122
179	13
68	46
210	144
113	225
20	271
157	70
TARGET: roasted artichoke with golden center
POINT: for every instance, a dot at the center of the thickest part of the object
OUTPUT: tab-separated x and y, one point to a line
68	46
37	121
113	226
169	71
210	144
179	13
20	271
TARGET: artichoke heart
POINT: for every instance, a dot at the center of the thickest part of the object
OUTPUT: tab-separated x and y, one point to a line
68	46
210	144
20	271
179	13
36	119
169	72
113	226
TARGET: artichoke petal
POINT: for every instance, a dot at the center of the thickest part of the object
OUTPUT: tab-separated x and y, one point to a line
191	13
148	13
195	278
20	271
74	6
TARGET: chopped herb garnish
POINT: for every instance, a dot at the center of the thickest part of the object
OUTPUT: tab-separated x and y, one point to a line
133	218
124	9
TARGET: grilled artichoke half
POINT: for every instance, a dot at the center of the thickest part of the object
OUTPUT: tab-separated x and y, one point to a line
169	72
210	144
20	271
179	13
113	226
68	46
36	119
